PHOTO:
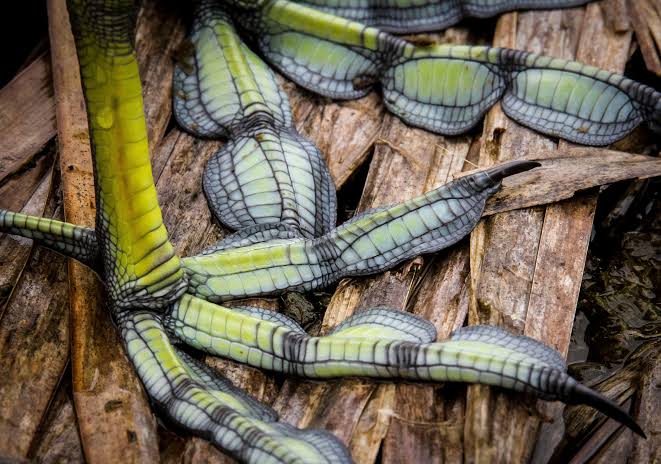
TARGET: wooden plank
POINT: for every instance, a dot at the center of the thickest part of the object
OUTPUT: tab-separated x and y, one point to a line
647	411
344	131
59	441
33	339
516	256
27	116
646	19
427	420
574	171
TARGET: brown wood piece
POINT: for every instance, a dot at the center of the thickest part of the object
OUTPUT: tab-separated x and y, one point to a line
573	172
34	332
527	265
647	24
59	441
27	116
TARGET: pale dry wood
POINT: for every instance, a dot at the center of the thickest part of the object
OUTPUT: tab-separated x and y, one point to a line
617	14
646	19
59	441
573	172
591	437
114	418
648	405
527	265
33	340
27	116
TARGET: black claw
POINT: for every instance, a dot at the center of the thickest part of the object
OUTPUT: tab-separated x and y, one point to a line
585	395
498	173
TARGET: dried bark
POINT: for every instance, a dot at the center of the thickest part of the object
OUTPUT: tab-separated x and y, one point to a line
516	257
570	174
646	18
34	345
59	441
27	116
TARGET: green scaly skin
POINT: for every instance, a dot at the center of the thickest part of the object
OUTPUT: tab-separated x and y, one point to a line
151	291
446	89
267	173
407	16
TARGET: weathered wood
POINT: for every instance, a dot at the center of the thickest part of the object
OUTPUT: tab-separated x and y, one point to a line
516	256
33	340
647	412
115	421
27	116
646	18
59	441
15	251
427	421
574	172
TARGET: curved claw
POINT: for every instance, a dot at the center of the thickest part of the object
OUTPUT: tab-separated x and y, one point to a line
267	172
448	89
516	363
74	241
371	242
195	397
406	17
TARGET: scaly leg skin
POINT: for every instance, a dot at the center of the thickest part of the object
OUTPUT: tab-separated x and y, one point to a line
73	241
267	172
141	271
196	398
139	266
138	263
385	344
447	89
372	242
407	16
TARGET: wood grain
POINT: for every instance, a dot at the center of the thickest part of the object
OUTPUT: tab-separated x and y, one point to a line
27	116
34	332
526	265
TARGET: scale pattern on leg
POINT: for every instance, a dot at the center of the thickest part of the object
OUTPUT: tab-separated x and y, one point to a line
252	235
443	92
372	242
447	89
220	86
275	346
267	172
195	397
386	323
409	16
321	52
269	176
140	268
501	337
71	240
